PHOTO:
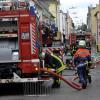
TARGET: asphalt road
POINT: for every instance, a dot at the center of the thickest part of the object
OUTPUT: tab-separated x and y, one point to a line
66	92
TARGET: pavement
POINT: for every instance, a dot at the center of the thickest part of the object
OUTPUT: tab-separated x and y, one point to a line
95	55
92	92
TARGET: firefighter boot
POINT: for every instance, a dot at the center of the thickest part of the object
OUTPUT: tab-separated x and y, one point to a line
89	79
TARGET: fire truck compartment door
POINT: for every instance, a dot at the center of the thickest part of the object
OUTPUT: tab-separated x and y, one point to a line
6	48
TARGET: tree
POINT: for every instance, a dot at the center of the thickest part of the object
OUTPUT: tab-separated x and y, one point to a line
73	25
83	27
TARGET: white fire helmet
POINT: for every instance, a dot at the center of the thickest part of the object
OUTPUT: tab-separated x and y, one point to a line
82	43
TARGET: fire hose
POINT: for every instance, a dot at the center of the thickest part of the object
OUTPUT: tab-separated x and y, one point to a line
70	83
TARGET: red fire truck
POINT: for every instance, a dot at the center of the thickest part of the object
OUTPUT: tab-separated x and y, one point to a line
19	44
75	37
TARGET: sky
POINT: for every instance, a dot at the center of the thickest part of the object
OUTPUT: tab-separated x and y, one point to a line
77	9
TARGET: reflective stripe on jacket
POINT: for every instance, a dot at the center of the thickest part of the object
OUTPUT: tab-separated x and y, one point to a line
81	52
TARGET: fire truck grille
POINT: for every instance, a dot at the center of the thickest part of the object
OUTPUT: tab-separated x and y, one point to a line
26	88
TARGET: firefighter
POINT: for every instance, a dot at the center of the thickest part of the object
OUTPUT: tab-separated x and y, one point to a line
32	8
65	49
54	62
73	48
83	54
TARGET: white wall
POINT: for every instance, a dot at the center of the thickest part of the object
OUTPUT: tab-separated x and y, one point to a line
62	24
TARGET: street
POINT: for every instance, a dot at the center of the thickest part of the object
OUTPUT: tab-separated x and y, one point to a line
66	92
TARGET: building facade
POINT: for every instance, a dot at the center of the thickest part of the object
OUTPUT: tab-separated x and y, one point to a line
93	24
62	20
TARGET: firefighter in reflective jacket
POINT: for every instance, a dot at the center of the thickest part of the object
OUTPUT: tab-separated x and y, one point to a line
83	54
54	62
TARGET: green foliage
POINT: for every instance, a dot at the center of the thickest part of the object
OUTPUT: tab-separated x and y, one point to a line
73	25
83	27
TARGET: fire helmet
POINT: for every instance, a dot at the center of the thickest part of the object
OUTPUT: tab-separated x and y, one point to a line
82	43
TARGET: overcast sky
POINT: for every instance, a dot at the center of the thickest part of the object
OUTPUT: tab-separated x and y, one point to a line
80	10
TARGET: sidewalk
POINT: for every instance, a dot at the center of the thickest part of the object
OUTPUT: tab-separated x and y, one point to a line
95	55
